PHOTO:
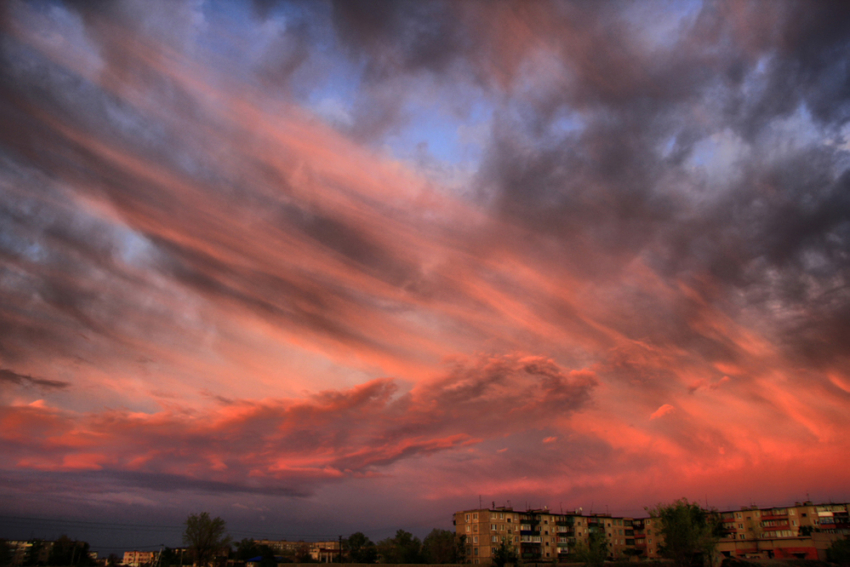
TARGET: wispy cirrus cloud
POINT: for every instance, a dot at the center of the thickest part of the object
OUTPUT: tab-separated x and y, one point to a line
205	280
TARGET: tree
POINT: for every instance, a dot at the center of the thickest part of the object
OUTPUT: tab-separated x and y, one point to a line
361	549
460	550
403	548
839	551
690	533
67	552
440	546
246	549
505	554
594	552
205	537
6	553
169	557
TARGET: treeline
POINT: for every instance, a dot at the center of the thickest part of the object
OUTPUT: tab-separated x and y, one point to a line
60	553
438	547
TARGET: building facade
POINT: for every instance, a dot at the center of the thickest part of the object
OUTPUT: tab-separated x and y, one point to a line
138	558
803	531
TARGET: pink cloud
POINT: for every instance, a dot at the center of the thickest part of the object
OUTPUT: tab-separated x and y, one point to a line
661	411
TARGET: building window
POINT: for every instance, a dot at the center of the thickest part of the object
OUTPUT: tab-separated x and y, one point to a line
475	516
467	529
740	526
467	517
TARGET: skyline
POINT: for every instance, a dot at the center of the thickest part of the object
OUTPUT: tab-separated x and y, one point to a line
361	263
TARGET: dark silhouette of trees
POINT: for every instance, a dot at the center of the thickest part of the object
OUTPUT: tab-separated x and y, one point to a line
839	551
361	549
205	537
440	546
690	532
67	552
505	554
169	557
403	548
5	553
594	552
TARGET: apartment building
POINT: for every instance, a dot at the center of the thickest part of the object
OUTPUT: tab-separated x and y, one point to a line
29	551
538	535
138	558
804	530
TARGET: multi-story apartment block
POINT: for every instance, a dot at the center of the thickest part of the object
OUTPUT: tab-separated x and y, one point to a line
137	558
33	551
804	530
538	535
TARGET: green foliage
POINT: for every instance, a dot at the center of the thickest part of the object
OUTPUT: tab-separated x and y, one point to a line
460	550
594	552
361	549
205	537
440	546
403	548
67	552
839	552
505	554
690	533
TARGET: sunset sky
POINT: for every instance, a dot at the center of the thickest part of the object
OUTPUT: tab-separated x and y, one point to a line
322	267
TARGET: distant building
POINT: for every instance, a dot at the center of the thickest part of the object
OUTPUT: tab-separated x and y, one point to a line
138	558
30	551
802	531
324	551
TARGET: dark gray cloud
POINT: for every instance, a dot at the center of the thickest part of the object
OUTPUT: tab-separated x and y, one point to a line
10	377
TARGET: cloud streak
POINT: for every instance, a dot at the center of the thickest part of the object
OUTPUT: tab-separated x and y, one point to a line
289	249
